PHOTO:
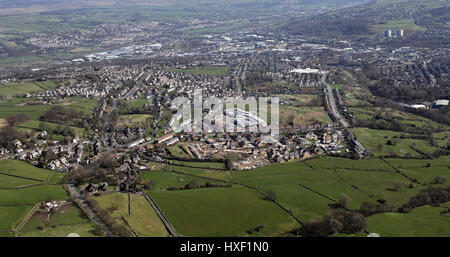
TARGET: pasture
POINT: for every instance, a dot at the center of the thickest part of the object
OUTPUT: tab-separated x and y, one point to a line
137	212
25	170
144	220
303	115
11	216
218	211
163	180
84	230
423	221
377	142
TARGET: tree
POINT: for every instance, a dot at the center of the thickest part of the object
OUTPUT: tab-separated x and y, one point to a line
192	184
440	180
271	195
229	160
344	200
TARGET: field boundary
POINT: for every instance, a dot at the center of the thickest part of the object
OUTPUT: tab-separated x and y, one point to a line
26	219
161	215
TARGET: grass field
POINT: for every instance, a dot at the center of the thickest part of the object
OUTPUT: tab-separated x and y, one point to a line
132	120
68	215
303	115
142	218
163	179
13	182
16	106
16	89
406	24
11	216
23	169
217	211
376	141
423	221
32	195
84	230
210	165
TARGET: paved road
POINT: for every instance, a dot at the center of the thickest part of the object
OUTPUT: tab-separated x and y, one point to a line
106	135
332	102
92	215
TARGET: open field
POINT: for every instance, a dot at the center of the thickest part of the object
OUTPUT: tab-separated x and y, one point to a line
411	122
132	120
303	115
68	215
406	24
84	230
377	142
11	216
15	89
16	106
217	211
207	165
32	195
23	169
164	179
142	218
13	182
421	222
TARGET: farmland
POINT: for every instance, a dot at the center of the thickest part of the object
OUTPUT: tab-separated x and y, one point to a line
310	189
136	211
217	211
17	106
421	222
16	201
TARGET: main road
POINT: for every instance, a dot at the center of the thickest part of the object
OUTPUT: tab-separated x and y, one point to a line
332	102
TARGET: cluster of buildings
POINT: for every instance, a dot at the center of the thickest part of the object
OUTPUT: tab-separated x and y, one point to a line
393	33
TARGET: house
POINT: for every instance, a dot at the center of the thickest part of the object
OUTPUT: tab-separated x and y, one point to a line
164	138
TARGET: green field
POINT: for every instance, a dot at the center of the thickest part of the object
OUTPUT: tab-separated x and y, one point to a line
13	182
425	221
218	211
23	169
68	215
163	179
376	141
84	230
406	24
16	106
32	195
142	218
303	115
11	216
16	89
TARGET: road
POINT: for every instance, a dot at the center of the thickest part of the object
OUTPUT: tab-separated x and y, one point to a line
240	75
333	105
92	215
107	126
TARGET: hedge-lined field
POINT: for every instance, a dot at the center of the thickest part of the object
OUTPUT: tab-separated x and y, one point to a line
218	211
